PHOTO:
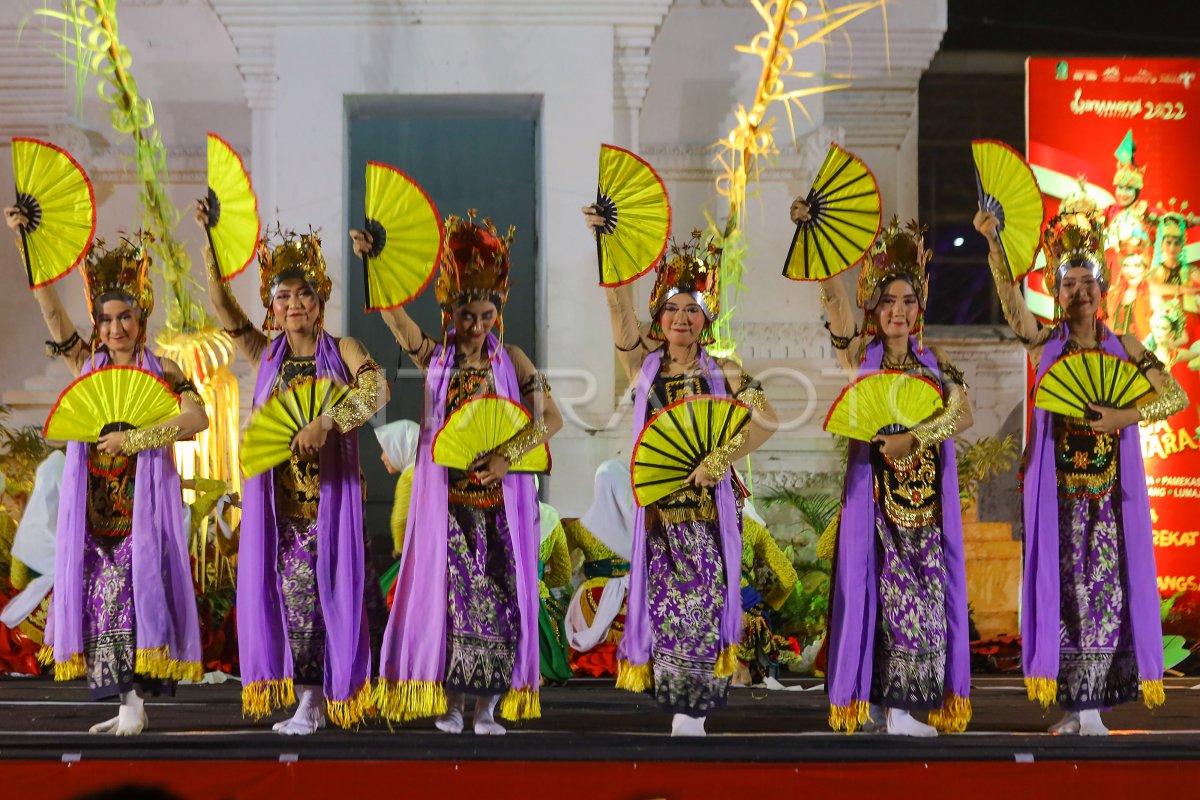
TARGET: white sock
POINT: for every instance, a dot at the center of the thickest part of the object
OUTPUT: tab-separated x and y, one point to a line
1090	724
1067	725
452	720
685	725
130	719
902	723
485	723
310	714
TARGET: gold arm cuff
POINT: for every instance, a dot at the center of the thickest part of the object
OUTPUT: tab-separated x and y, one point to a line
149	438
717	463
754	397
194	396
1171	400
362	402
523	441
941	426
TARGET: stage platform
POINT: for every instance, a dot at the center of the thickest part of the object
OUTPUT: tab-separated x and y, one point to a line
595	739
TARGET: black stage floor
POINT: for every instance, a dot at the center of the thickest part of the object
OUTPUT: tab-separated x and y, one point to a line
591	721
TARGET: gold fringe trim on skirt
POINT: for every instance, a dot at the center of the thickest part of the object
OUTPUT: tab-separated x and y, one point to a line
262	697
851	717
1153	694
348	713
403	701
69	670
521	704
1042	690
953	716
157	663
45	655
727	662
634	678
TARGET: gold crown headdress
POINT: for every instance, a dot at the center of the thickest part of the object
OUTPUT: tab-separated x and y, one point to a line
1172	221
296	256
897	253
122	271
1128	172
474	264
692	268
1074	239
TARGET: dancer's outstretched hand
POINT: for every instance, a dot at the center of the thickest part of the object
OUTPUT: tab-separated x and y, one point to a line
801	211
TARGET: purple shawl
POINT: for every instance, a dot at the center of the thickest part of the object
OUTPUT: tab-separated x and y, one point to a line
266	659
636	642
856	581
164	602
414	645
1040	587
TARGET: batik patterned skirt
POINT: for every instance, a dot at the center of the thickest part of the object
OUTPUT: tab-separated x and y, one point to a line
1097	667
483	619
301	601
685	579
910	641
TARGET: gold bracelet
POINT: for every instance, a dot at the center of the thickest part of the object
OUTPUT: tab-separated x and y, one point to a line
149	438
1171	400
941	426
362	402
717	463
523	441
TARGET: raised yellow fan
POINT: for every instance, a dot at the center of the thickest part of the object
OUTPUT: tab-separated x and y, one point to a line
267	441
637	216
233	209
844	219
480	426
677	439
407	238
1008	189
888	401
56	196
112	398
1091	376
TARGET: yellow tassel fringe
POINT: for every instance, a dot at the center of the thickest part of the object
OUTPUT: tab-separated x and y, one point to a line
45	655
71	669
349	713
521	704
953	716
726	662
1042	690
403	701
634	678
157	663
262	697
849	718
1153	694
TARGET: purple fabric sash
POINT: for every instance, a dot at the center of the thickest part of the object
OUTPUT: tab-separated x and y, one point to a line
414	644
262	635
164	602
637	640
1040	586
856	579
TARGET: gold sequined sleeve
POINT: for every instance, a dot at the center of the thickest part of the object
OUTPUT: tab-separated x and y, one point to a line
523	441
1171	400
151	438
760	428
943	424
366	398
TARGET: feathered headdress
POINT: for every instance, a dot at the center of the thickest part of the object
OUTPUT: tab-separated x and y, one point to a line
692	268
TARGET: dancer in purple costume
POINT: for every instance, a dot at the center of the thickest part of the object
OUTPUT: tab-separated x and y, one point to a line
1090	631
465	616
123	612
684	618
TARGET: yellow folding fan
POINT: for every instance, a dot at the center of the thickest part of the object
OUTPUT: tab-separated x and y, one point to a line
233	209
677	439
1091	376
888	401
844	219
1007	188
480	426
56	196
637	216
267	441
112	398
407	237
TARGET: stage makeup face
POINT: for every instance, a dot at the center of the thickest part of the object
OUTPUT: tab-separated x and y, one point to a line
1079	293
897	310
1125	195
295	306
119	324
682	320
473	321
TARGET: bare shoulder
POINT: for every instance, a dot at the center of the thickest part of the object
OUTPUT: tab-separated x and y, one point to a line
172	372
1133	348
518	357
353	352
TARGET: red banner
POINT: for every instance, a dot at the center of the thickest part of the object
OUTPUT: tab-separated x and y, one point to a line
1084	117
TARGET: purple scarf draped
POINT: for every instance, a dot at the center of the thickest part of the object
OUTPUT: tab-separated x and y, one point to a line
414	645
637	641
1040	586
164	602
856	580
266	659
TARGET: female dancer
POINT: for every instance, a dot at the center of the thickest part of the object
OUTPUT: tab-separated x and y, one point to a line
123	612
684	619
465	615
1091	625
898	623
301	615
